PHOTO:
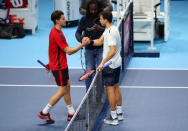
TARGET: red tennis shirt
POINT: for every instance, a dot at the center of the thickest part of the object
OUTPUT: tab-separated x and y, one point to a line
57	57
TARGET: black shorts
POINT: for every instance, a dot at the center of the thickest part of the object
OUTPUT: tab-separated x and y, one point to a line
110	76
61	76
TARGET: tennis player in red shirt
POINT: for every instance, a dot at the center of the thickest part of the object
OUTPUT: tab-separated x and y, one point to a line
58	48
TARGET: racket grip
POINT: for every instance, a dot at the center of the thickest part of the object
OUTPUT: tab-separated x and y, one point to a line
40	62
107	64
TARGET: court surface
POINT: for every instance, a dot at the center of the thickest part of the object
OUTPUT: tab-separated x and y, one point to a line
152	100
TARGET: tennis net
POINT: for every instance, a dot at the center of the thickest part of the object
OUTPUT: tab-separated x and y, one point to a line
90	107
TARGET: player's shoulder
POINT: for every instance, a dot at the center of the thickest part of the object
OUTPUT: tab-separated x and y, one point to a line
53	30
113	30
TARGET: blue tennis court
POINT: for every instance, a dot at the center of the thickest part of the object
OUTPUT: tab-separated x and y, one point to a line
148	104
154	90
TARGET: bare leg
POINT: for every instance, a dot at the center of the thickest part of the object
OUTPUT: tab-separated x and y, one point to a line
113	120
111	96
118	95
67	97
57	96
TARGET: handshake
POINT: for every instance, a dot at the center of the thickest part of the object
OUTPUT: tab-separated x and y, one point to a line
86	41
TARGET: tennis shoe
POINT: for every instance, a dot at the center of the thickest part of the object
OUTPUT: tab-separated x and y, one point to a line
120	116
69	117
111	121
46	117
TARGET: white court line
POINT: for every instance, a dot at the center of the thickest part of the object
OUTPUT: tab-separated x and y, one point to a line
37	67
155	87
81	86
25	67
10	85
157	69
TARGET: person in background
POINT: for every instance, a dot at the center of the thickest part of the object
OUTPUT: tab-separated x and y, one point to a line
89	26
106	5
58	48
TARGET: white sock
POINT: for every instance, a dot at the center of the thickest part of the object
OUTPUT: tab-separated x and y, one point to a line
46	109
70	109
119	109
114	114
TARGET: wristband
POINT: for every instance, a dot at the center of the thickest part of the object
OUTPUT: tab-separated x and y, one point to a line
92	42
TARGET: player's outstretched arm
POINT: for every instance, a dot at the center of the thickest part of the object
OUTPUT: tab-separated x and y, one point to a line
98	42
73	50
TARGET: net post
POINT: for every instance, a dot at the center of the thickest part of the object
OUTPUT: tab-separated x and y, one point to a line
122	45
132	28
127	44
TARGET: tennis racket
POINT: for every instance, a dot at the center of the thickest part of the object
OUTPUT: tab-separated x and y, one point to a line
90	72
49	71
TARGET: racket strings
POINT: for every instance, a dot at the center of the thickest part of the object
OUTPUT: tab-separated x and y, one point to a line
86	75
51	76
49	72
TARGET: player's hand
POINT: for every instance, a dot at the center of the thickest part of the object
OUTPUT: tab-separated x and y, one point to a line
85	41
48	68
100	67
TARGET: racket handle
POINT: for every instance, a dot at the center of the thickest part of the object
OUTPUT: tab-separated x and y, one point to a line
107	64
40	62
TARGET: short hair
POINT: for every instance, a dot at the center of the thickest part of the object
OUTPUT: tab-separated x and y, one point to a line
107	15
99	9
56	15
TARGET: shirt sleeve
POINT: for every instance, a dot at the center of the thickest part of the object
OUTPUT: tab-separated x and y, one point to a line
60	39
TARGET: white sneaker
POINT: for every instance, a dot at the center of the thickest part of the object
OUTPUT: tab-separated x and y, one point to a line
111	121
120	116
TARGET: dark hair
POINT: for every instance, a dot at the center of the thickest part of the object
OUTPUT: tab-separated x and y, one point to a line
107	15
88	7
56	15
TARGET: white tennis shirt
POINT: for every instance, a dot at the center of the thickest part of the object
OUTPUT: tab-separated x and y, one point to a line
112	38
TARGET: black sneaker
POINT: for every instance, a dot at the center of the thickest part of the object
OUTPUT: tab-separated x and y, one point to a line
120	116
46	118
111	121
